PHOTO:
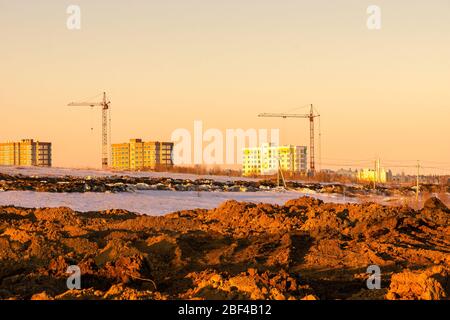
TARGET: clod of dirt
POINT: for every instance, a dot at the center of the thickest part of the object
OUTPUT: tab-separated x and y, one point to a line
435	204
430	284
305	249
247	285
436	212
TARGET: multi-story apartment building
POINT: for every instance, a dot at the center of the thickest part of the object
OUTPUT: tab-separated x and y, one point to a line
378	174
268	158
27	152
372	175
140	155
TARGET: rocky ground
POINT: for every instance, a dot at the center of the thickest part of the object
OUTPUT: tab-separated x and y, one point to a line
130	184
305	249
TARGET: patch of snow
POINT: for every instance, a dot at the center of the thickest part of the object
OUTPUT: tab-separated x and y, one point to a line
150	202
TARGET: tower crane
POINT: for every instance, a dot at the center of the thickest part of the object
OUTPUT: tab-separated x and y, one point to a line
311	115
105	105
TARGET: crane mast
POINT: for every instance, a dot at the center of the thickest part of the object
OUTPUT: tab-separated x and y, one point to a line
312	164
105	105
311	115
105	140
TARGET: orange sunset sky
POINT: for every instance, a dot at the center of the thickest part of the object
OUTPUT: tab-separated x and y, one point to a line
167	63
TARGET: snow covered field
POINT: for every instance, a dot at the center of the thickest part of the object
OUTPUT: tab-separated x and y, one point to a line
147	202
161	202
143	202
60	172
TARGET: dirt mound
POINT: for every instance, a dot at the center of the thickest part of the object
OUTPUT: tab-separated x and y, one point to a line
116	292
430	284
435	204
436	211
305	249
246	285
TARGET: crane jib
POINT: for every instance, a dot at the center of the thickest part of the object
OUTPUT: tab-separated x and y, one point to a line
105	130
311	115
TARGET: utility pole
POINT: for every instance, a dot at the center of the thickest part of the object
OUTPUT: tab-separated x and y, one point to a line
320	145
379	170
278	174
417	185
375	176
377	173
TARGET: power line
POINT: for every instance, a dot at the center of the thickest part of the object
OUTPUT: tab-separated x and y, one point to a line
359	165
421	161
350	160
436	168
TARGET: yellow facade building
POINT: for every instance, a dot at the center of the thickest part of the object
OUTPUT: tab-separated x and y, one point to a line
371	175
378	174
27	152
140	155
266	160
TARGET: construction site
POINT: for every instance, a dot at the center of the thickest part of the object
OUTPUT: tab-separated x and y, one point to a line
244	152
133	155
136	233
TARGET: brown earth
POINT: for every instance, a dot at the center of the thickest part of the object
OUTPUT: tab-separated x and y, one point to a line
305	249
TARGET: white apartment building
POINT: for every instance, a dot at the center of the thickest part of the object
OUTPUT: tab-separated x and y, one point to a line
266	159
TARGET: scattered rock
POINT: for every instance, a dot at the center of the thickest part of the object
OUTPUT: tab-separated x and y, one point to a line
429	284
304	249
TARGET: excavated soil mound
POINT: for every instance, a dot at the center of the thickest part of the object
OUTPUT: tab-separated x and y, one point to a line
305	249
